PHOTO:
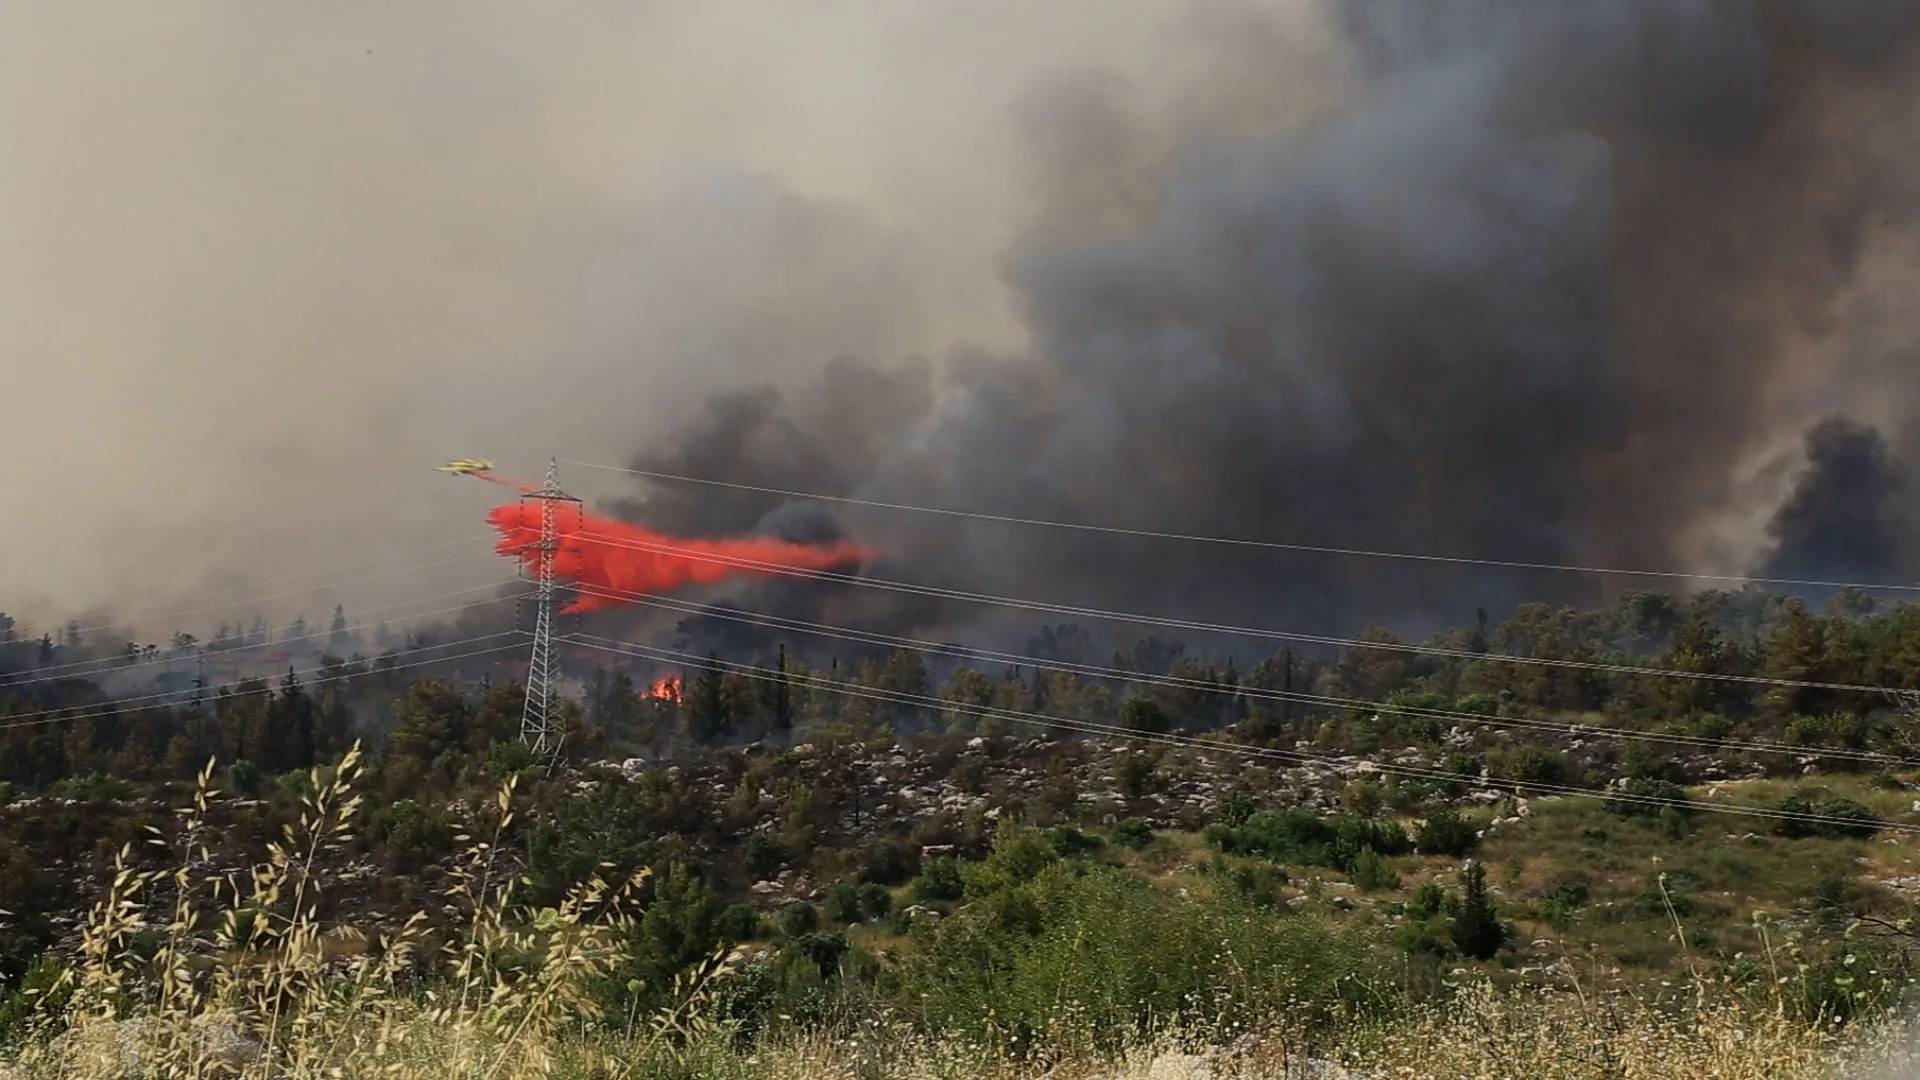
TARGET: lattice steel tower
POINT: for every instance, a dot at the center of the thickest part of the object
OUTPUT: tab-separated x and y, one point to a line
540	721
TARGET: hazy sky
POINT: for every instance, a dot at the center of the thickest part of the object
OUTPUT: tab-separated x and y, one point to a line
1579	286
263	265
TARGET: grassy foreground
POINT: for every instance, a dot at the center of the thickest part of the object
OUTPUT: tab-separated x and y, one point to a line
244	979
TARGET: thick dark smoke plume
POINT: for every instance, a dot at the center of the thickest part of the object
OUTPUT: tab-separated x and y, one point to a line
1526	281
1851	513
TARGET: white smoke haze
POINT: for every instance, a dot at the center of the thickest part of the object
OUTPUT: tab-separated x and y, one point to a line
264	265
1400	275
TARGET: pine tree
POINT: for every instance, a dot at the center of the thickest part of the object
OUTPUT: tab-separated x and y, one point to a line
1477	932
783	703
707	703
1796	651
293	743
619	706
337	639
334	730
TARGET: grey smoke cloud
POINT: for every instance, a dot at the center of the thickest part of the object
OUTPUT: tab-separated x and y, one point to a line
1554	283
262	266
1522	281
1851	511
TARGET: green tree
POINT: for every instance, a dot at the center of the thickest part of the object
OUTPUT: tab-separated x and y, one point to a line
707	713
1362	797
1445	832
293	728
679	928
939	882
619	708
432	733
798	919
1477	931
1131	833
1373	871
969	693
1796	651
1144	715
842	903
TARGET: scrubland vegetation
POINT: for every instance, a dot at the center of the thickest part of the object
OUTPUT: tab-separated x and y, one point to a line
790	886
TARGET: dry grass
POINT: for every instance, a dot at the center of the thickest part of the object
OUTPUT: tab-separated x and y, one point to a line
243	980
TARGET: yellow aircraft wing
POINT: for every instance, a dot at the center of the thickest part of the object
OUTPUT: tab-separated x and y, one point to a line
467	465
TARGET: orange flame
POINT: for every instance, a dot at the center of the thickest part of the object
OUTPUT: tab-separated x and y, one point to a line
667	689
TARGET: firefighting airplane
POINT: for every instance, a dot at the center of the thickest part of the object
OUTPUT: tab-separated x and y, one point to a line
467	466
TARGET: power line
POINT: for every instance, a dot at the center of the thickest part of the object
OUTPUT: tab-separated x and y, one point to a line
1217	628
1270	545
1262	693
147	615
115	705
108	665
1090	727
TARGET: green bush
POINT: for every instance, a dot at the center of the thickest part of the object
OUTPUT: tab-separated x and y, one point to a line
1071	843
798	919
1478	704
850	904
1839	817
1420	938
876	901
823	950
412	836
1465	767
1445	832
1428	900
680	926
1135	771
1362	797
1108	957
1259	884
1642	797
739	922
1018	855
1131	833
1534	765
1236	807
1426	700
508	757
1303	838
888	862
842	904
939	882
1567	896
1373	871
1833	730
243	777
1144	715
764	856
39	993
1641	761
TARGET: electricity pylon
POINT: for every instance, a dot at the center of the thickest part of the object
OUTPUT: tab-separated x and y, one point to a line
540	721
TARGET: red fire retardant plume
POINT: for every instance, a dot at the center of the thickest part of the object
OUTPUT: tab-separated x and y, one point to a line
612	557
